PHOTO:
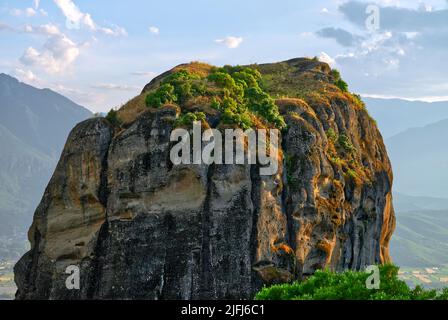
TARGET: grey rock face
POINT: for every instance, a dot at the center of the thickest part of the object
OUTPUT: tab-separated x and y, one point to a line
139	227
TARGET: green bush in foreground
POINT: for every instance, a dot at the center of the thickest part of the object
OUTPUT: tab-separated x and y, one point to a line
350	285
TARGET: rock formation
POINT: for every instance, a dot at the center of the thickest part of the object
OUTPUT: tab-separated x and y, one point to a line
139	227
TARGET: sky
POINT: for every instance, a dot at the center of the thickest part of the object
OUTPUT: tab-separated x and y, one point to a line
101	53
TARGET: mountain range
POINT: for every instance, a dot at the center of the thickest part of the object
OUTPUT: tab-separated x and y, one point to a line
396	115
421	236
420	160
34	124
415	135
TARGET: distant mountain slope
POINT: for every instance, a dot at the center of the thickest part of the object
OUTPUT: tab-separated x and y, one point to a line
34	124
40	118
419	159
395	115
403	202
420	238
23	170
416	135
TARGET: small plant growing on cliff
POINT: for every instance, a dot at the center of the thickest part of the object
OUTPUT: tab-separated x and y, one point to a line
332	135
113	118
345	143
358	100
352	174
341	84
350	285
188	118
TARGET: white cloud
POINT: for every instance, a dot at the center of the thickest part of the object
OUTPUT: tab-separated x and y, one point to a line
28	12
376	42
411	35
324	10
72	13
306	34
26	76
112	86
230	42
5	27
324	57
77	19
154	30
424	7
144	73
114	31
36	4
48	29
45	29
58	54
416	98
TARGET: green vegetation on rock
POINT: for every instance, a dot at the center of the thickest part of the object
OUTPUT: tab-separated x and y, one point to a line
350	285
344	142
343	153
164	94
188	118
113	118
234	91
341	84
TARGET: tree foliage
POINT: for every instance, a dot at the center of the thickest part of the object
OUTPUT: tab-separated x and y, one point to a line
242	95
163	95
350	285
112	117
234	91
188	118
341	84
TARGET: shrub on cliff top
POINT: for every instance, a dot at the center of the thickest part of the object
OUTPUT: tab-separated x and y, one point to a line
234	91
164	94
350	285
242	93
341	84
113	118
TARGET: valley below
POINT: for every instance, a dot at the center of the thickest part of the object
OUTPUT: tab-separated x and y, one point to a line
7	285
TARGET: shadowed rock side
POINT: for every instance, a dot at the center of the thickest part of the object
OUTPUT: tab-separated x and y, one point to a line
141	228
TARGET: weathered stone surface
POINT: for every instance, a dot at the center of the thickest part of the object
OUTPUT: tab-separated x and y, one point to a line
140	227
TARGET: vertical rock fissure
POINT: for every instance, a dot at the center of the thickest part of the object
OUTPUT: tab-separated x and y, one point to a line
286	203
206	290
103	190
95	273
287	207
255	198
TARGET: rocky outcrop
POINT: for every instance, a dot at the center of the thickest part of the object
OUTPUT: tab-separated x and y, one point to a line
139	227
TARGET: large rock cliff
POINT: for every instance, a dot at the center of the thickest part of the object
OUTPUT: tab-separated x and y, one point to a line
139	227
